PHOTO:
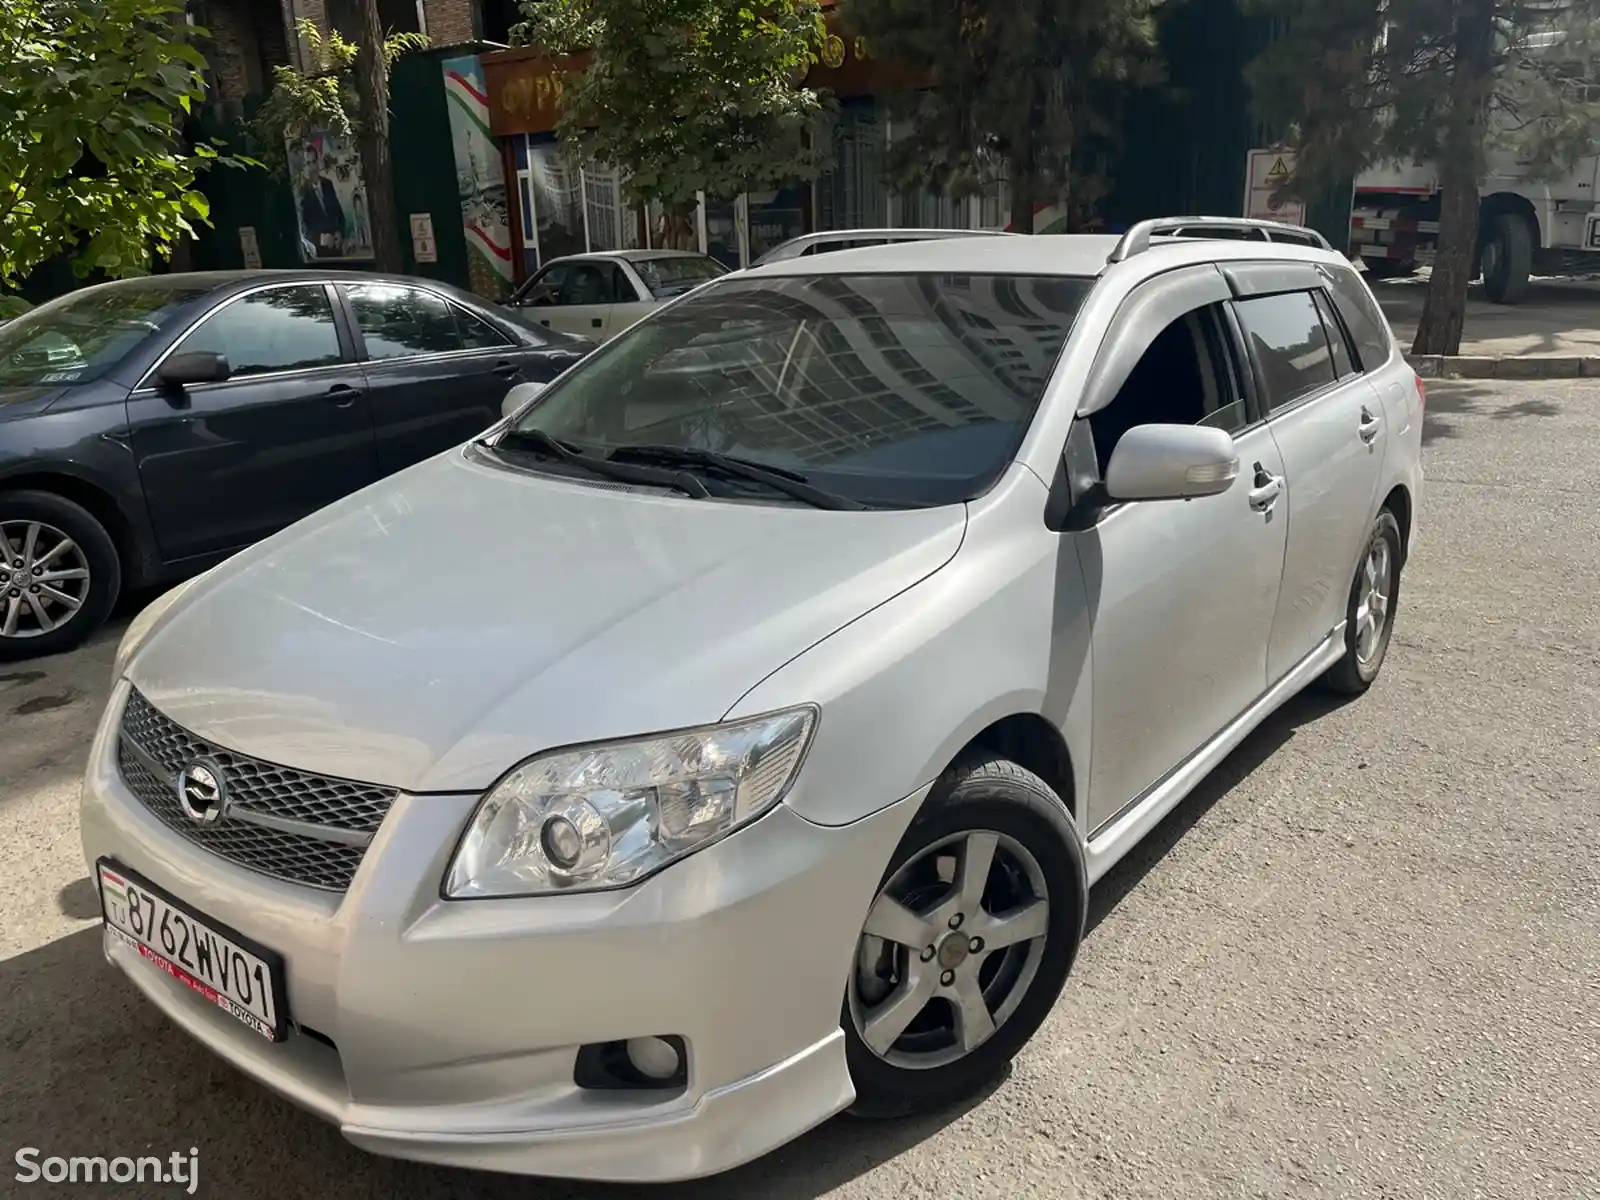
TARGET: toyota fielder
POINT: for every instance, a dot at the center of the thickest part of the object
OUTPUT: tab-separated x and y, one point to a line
730	736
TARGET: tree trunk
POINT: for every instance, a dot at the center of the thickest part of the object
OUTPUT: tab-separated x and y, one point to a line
1020	171
377	167
1445	308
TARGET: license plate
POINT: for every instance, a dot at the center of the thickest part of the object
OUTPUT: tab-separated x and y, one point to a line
223	967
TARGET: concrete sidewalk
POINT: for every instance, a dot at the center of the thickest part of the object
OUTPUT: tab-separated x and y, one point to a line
1554	333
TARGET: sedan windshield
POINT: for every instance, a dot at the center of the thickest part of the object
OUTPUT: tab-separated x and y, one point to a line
887	390
80	337
673	275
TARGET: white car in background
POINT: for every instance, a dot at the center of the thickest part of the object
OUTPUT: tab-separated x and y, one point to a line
599	295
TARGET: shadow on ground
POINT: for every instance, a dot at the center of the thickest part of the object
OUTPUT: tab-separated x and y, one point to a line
1270	737
1448	398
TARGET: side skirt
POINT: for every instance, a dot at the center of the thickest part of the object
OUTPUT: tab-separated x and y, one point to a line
1122	833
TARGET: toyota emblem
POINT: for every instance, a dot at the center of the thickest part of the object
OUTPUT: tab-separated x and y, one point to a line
202	790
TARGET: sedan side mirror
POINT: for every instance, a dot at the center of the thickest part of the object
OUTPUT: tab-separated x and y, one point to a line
1171	462
196	366
520	397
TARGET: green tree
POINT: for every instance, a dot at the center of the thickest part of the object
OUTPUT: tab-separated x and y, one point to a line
687	95
1363	82
93	159
336	95
1028	90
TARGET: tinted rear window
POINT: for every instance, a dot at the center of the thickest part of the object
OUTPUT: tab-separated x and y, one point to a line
1289	344
896	390
668	277
1368	327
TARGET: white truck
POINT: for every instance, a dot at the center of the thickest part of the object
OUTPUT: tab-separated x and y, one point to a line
1525	229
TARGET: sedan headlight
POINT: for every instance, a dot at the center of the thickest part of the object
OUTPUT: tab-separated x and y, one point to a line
606	816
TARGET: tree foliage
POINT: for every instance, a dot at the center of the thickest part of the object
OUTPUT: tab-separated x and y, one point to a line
93	158
687	95
1025	89
323	98
1447	82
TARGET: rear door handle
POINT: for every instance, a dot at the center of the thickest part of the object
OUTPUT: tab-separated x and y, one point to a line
342	394
507	369
1368	429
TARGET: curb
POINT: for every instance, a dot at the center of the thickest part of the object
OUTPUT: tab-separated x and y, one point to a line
1468	366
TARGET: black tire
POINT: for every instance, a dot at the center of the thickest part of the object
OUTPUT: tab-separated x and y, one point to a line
1351	676
1509	270
1389	268
100	554
983	794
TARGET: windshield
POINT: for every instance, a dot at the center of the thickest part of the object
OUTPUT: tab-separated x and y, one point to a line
673	276
81	336
892	390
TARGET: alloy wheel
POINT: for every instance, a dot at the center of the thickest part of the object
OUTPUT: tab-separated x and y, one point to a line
950	948
1372	610
44	579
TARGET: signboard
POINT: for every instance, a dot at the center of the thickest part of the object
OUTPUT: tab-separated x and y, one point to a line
250	246
523	86
1265	172
423	248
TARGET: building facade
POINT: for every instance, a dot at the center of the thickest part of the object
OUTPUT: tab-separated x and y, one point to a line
557	208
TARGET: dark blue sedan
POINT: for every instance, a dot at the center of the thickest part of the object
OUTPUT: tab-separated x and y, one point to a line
151	427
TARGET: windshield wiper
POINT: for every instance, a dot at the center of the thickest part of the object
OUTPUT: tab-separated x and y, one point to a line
539	440
779	479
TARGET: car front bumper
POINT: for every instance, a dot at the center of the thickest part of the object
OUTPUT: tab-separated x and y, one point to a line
448	1031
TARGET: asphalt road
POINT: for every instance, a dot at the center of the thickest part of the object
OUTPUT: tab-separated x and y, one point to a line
1362	961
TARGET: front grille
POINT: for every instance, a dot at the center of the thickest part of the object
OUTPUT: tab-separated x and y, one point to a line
294	826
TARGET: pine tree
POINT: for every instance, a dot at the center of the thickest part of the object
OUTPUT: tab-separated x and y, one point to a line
1363	82
1021	89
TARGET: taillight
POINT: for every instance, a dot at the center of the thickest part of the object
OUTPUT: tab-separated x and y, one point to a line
1422	393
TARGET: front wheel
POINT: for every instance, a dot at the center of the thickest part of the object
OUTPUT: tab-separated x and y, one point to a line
59	574
968	942
1369	617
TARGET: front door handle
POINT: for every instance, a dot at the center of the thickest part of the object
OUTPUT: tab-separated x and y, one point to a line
1368	429
342	395
507	369
1268	487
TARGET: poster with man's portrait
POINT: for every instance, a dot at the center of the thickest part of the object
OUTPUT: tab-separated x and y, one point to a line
330	198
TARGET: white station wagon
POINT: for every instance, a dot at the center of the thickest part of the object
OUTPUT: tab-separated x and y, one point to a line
731	736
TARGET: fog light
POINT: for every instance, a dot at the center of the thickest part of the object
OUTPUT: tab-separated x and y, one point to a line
654	1057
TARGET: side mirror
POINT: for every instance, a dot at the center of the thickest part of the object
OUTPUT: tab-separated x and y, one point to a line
196	366
1171	462
520	397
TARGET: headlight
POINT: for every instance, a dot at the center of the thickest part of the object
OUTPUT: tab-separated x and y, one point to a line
606	816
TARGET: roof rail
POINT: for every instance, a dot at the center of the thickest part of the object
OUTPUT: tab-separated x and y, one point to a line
1137	240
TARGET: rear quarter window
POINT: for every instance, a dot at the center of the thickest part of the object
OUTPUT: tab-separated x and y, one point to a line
1368	327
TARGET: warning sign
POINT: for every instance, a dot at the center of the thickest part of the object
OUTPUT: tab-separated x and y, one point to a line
1266	172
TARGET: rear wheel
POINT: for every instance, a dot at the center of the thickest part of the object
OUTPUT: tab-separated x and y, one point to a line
1369	619
59	574
968	942
1507	258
